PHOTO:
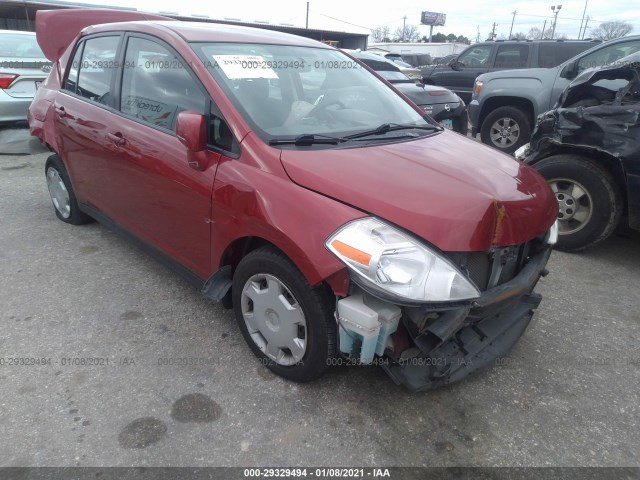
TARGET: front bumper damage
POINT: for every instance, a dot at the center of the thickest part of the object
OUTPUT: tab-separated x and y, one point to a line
441	344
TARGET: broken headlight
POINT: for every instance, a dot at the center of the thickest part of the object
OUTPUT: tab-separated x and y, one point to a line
388	261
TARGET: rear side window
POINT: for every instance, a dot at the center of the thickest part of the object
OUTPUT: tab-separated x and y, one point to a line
512	56
156	85
551	55
97	69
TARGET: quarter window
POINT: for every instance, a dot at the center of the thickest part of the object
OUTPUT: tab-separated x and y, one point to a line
72	79
156	85
97	69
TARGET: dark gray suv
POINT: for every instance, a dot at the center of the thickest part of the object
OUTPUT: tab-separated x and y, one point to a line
460	73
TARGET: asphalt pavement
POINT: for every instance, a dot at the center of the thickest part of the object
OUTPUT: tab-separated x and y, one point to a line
170	381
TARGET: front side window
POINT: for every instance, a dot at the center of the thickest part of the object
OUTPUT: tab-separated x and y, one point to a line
285	91
475	56
608	55
156	85
97	69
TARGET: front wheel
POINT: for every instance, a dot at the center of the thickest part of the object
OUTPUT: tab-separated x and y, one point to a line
506	128
288	324
589	201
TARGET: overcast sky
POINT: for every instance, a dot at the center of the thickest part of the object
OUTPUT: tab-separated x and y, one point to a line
464	17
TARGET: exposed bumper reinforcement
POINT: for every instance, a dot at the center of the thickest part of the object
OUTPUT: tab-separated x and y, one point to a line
493	325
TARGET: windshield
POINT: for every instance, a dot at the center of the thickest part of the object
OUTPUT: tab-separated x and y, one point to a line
286	91
19	46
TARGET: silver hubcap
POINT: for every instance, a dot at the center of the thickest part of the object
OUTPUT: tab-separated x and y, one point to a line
504	132
58	192
274	319
575	206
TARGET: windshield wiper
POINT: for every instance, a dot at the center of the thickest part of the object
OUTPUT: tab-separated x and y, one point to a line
307	140
392	127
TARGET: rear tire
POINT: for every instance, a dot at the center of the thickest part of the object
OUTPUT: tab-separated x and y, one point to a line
270	298
506	129
65	204
589	201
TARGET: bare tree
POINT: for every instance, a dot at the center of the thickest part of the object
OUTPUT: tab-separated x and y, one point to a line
518	36
381	34
610	30
410	34
534	34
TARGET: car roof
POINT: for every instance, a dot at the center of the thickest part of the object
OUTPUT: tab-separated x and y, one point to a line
17	32
370	56
213	32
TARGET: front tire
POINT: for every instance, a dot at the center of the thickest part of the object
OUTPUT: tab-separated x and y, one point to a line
589	201
287	324
61	192
506	128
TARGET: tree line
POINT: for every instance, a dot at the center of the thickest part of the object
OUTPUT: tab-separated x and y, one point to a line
411	33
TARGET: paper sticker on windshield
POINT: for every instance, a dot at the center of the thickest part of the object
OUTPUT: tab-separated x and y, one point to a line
244	66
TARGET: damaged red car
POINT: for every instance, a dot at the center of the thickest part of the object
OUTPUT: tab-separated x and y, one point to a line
289	181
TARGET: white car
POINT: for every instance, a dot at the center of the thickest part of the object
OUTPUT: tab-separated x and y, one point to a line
23	67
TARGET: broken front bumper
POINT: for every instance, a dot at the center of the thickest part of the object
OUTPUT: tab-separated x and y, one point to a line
471	338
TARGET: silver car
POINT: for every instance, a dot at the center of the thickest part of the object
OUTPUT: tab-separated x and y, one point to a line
23	67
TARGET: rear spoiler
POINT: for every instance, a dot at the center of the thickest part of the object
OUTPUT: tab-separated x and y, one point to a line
55	29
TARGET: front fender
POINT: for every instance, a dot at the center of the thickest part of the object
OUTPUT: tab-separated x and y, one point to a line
251	202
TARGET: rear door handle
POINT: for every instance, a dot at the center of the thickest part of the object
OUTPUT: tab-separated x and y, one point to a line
116	138
60	112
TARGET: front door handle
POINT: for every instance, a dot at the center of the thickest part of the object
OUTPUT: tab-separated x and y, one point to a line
116	138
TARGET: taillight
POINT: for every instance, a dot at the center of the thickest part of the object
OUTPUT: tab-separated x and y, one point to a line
7	79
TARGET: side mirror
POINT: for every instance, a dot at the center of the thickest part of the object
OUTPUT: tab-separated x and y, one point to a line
456	65
191	129
570	70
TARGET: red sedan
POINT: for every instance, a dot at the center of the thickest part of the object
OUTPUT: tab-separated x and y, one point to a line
289	181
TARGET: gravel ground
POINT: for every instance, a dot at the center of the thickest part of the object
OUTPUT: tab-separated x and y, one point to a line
567	395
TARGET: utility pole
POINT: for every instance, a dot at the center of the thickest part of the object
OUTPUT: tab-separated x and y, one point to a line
582	21
555	9
307	24
493	31
404	22
585	26
544	25
512	22
478	36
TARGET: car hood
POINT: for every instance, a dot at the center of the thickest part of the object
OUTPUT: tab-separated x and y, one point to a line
451	191
536	73
419	94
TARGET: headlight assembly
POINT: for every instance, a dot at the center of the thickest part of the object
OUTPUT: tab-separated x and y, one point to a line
388	261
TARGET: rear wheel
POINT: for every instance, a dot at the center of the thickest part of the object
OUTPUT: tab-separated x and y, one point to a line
506	128
288	324
61	192
589	201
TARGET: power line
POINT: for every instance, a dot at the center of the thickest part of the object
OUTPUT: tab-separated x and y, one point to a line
343	21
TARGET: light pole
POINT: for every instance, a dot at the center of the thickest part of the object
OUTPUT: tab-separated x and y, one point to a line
555	9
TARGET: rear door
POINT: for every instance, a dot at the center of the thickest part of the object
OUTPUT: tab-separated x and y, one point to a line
153	191
84	110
